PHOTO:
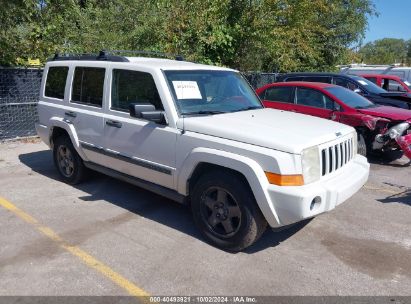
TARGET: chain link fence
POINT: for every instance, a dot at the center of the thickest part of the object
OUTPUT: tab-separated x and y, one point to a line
257	80
19	91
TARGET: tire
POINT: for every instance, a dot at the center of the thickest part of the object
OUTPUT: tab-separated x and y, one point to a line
67	161
225	211
362	146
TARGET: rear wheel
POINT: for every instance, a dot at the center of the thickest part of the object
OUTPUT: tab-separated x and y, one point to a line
67	161
225	211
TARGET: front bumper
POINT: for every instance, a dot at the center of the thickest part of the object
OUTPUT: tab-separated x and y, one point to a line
293	204
405	144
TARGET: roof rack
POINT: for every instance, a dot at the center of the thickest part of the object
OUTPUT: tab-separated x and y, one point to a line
344	69
101	56
364	65
388	69
104	55
149	53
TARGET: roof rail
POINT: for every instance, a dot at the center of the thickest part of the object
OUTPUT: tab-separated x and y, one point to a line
104	55
363	65
149	53
388	69
101	56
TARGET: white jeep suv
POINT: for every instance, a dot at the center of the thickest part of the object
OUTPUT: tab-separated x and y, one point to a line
199	135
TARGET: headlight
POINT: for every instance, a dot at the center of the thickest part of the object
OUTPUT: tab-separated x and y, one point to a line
311	165
398	130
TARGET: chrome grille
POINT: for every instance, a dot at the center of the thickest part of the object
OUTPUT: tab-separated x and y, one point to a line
336	156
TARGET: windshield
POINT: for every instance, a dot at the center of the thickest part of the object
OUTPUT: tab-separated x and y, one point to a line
211	92
350	98
368	85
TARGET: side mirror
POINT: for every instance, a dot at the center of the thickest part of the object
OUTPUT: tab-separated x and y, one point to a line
146	111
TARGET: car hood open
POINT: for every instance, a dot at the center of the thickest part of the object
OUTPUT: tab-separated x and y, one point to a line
270	128
388	112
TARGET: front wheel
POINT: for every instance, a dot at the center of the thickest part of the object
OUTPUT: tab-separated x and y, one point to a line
225	211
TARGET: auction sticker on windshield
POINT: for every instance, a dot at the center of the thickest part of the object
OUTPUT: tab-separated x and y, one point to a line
187	90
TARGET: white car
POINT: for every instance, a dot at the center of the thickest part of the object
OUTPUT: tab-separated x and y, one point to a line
199	135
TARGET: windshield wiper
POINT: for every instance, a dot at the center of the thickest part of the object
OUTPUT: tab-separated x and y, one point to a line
367	107
250	108
204	112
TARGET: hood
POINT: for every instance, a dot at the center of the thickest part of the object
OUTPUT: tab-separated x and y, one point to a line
270	128
388	112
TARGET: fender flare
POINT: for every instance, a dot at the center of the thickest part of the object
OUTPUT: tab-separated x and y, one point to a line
71	131
249	168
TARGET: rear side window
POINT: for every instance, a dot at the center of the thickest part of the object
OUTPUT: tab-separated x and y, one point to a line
133	87
88	86
56	82
283	94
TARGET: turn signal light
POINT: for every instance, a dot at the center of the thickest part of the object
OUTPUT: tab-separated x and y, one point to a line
285	180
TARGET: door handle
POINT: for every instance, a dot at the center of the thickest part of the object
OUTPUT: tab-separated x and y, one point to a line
113	123
70	114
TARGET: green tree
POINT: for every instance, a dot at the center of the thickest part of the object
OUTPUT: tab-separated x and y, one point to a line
409	52
385	51
281	35
14	17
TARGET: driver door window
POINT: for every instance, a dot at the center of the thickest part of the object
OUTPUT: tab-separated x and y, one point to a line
395	86
133	87
348	85
314	102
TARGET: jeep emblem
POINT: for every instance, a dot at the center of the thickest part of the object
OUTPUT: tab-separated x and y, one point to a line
338	134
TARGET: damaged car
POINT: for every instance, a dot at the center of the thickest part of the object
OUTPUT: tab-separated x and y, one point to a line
379	127
355	83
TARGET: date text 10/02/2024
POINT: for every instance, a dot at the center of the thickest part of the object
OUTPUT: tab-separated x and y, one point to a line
203	299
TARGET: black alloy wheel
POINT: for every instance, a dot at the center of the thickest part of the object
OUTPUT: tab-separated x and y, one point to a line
220	211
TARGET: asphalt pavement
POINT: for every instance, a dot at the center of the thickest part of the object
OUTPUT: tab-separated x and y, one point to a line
106	237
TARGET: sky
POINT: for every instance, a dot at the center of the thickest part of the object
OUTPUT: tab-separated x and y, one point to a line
394	20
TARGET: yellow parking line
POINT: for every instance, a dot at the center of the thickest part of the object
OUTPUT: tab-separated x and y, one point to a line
86	258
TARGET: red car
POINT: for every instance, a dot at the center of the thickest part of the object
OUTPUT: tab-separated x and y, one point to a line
389	83
379	127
